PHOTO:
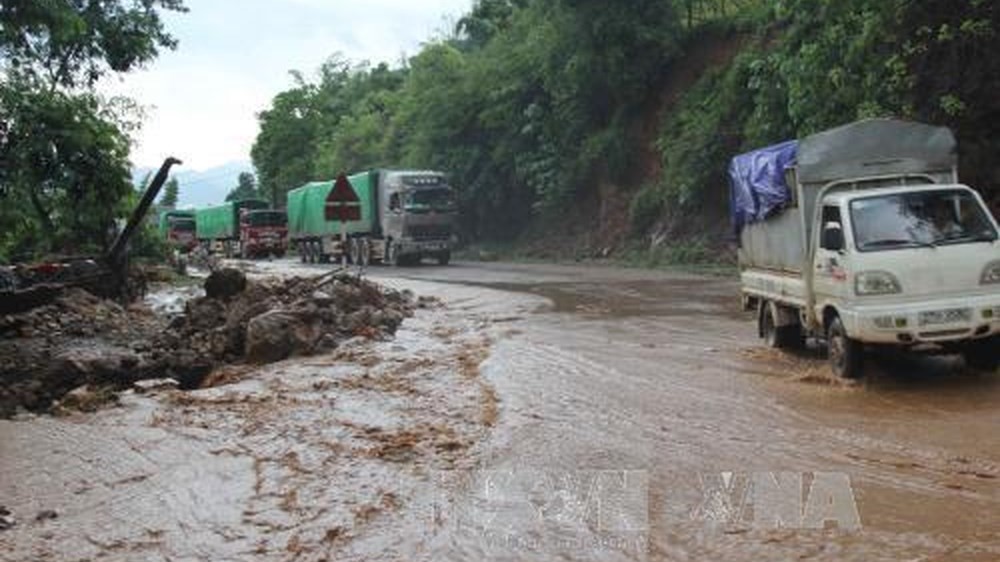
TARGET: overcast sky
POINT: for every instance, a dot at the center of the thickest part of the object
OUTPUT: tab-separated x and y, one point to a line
234	56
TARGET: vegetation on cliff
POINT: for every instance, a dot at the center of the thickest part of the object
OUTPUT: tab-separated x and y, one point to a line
552	115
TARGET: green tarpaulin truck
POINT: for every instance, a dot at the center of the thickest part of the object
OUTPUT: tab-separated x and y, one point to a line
405	216
246	228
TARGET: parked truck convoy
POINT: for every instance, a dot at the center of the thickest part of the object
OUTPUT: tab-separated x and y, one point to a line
863	236
405	216
245	228
177	228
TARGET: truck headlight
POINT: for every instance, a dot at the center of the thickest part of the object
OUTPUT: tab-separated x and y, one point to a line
876	283
991	273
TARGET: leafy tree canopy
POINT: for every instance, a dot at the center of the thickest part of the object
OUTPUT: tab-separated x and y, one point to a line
63	149
72	43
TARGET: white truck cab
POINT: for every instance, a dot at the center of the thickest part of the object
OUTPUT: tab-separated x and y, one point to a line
905	256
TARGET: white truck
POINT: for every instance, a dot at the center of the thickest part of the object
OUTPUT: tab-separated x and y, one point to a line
862	236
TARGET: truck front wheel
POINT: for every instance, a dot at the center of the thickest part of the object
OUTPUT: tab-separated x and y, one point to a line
845	354
444	257
983	355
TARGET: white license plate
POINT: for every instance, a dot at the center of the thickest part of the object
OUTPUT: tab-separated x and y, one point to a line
950	316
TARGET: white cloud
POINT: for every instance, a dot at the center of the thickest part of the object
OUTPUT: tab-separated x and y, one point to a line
233	58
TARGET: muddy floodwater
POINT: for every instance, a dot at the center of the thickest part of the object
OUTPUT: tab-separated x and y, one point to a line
540	413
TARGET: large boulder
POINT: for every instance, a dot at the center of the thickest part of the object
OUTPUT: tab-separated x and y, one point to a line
92	364
278	334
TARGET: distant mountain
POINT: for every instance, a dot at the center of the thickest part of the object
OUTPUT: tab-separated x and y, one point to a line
202	188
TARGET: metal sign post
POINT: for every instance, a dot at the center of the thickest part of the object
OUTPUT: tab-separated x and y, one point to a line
343	244
343	205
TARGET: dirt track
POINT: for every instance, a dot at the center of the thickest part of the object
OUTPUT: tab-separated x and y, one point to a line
616	414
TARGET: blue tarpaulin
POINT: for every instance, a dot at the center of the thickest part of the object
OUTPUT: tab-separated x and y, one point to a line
757	183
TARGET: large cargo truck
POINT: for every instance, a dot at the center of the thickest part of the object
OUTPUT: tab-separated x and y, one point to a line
862	236
177	228
245	228
405	216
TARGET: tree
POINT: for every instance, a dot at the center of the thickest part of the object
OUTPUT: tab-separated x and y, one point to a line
64	151
284	149
64	170
73	43
486	20
246	188
171	190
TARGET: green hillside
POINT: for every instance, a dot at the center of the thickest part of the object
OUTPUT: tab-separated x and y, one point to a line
592	127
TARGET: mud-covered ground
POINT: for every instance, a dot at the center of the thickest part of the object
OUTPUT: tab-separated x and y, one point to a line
542	413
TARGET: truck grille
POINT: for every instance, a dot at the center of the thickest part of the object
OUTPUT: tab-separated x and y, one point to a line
429	231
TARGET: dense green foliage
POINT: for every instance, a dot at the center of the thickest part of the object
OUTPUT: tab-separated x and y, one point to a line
533	106
61	162
73	43
524	107
64	170
834	62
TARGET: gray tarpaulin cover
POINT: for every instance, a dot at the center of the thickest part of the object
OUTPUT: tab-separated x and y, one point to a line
757	183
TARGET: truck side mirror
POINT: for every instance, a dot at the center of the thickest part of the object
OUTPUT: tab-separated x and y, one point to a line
833	237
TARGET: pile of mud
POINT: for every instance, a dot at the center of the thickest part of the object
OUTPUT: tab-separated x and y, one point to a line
271	320
76	339
74	313
81	340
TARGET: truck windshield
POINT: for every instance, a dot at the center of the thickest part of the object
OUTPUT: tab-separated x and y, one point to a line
437	198
266	218
922	218
182	225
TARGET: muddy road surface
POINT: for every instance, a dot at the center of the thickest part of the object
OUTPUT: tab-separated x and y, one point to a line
541	413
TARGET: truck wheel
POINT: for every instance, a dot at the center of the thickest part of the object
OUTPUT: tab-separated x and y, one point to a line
364	252
300	247
391	253
983	355
311	251
845	354
353	255
765	325
444	257
318	251
780	337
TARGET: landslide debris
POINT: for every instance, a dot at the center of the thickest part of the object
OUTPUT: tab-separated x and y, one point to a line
80	342
274	319
75	340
